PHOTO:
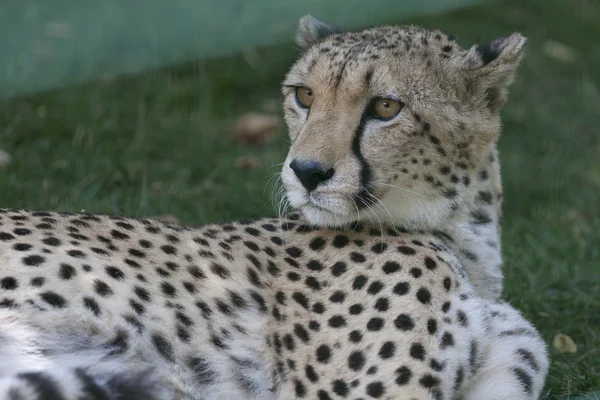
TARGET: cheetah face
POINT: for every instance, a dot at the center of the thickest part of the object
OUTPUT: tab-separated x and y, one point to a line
390	124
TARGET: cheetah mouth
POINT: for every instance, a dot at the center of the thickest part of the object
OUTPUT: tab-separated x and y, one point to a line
326	209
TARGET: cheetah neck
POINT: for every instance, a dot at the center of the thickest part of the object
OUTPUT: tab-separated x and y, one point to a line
472	233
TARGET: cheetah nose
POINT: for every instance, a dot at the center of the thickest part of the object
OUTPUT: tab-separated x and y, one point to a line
311	173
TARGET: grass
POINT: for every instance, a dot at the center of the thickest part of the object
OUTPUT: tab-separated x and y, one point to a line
159	144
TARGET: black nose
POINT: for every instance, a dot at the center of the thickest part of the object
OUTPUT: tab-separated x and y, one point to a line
311	173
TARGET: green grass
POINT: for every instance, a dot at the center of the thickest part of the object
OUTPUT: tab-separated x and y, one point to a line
159	144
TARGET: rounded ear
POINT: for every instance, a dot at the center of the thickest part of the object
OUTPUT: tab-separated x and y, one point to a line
312	31
491	67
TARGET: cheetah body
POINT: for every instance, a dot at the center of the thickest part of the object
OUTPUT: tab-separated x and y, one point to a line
271	308
386	284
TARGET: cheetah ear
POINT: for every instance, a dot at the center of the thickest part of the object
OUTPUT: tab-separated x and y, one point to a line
312	31
491	67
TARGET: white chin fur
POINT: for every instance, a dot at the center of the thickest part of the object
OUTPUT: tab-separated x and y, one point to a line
401	209
325	218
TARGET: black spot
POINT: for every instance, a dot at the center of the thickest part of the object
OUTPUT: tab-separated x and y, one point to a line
379	248
340	388
323	354
301	299
294	252
429	381
485	196
33	260
220	271
5	237
401	288
115	273
403	375
338	268
9	283
432	326
356	360
430	263
102	288
473	355
137	307
167	249
359	282
142	293
391	267
375	324
315	265
54	299
458	379
382	304
317	243
337	297
446	306
357	257
524	379
318	308
37	281
387	350
76	253
43	385
163	346
450	193
22	247
311	374
375	287
436	365
409	251
447	340
323	395
416	272
481	217
529	358
253	277
355	309
404	322
417	351
288	342
340	241
337	321
447	283
462	318
375	389
424	296
203	374
301	332
51	241
299	388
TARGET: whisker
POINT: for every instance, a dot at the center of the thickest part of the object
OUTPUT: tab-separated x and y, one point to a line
400	188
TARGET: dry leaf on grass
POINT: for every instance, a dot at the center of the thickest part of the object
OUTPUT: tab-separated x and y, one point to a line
256	128
167	219
543	314
564	344
4	159
247	162
559	51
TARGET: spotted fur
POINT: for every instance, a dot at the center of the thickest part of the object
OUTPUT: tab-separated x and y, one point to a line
317	305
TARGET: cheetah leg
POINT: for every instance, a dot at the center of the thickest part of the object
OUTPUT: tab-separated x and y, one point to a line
28	373
516	364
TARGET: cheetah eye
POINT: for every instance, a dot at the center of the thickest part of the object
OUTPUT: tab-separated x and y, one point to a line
304	97
385	109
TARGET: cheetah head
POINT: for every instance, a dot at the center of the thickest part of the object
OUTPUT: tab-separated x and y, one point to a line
390	123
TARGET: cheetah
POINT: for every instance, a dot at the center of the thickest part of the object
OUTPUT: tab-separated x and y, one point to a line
384	283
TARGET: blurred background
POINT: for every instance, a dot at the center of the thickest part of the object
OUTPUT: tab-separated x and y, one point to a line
171	109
